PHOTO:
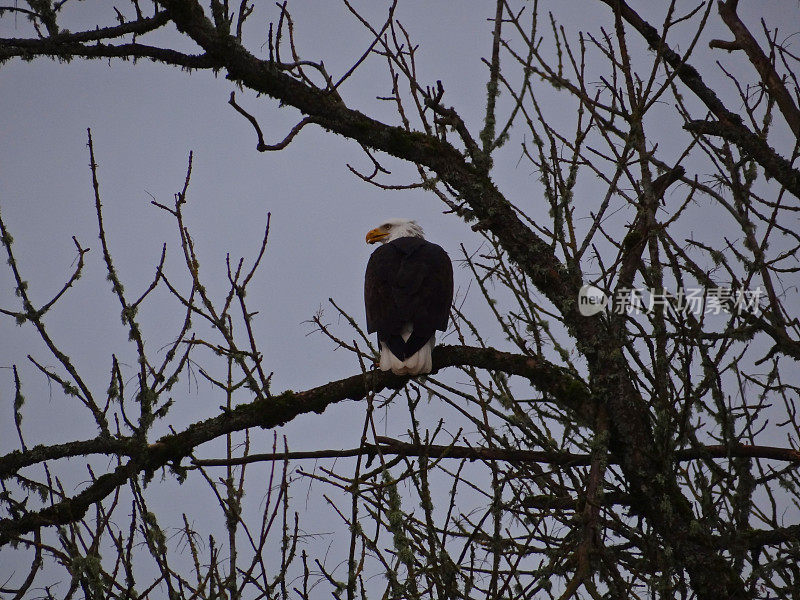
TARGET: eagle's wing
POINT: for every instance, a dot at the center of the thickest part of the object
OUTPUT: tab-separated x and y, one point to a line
425	288
408	280
382	314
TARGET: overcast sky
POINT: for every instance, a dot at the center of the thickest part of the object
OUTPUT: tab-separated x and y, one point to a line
145	119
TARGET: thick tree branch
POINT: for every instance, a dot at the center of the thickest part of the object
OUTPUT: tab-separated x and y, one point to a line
138	27
124	51
729	121
744	40
111	446
390	446
67	45
492	210
755	147
268	413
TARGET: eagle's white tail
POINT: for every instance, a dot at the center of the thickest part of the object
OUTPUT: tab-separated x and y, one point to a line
416	364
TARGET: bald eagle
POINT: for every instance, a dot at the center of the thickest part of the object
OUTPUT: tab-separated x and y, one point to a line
408	289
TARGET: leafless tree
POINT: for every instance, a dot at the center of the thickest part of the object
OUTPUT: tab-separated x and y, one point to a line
649	451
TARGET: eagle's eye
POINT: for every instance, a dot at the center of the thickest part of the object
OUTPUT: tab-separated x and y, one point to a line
387	226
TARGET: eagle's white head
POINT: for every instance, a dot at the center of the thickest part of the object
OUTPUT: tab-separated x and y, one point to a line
393	229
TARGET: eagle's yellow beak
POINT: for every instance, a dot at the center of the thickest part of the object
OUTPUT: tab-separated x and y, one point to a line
376	235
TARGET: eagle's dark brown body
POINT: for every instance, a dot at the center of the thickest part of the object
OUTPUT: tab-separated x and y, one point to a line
408	290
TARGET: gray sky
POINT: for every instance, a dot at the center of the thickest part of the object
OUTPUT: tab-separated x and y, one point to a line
145	119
